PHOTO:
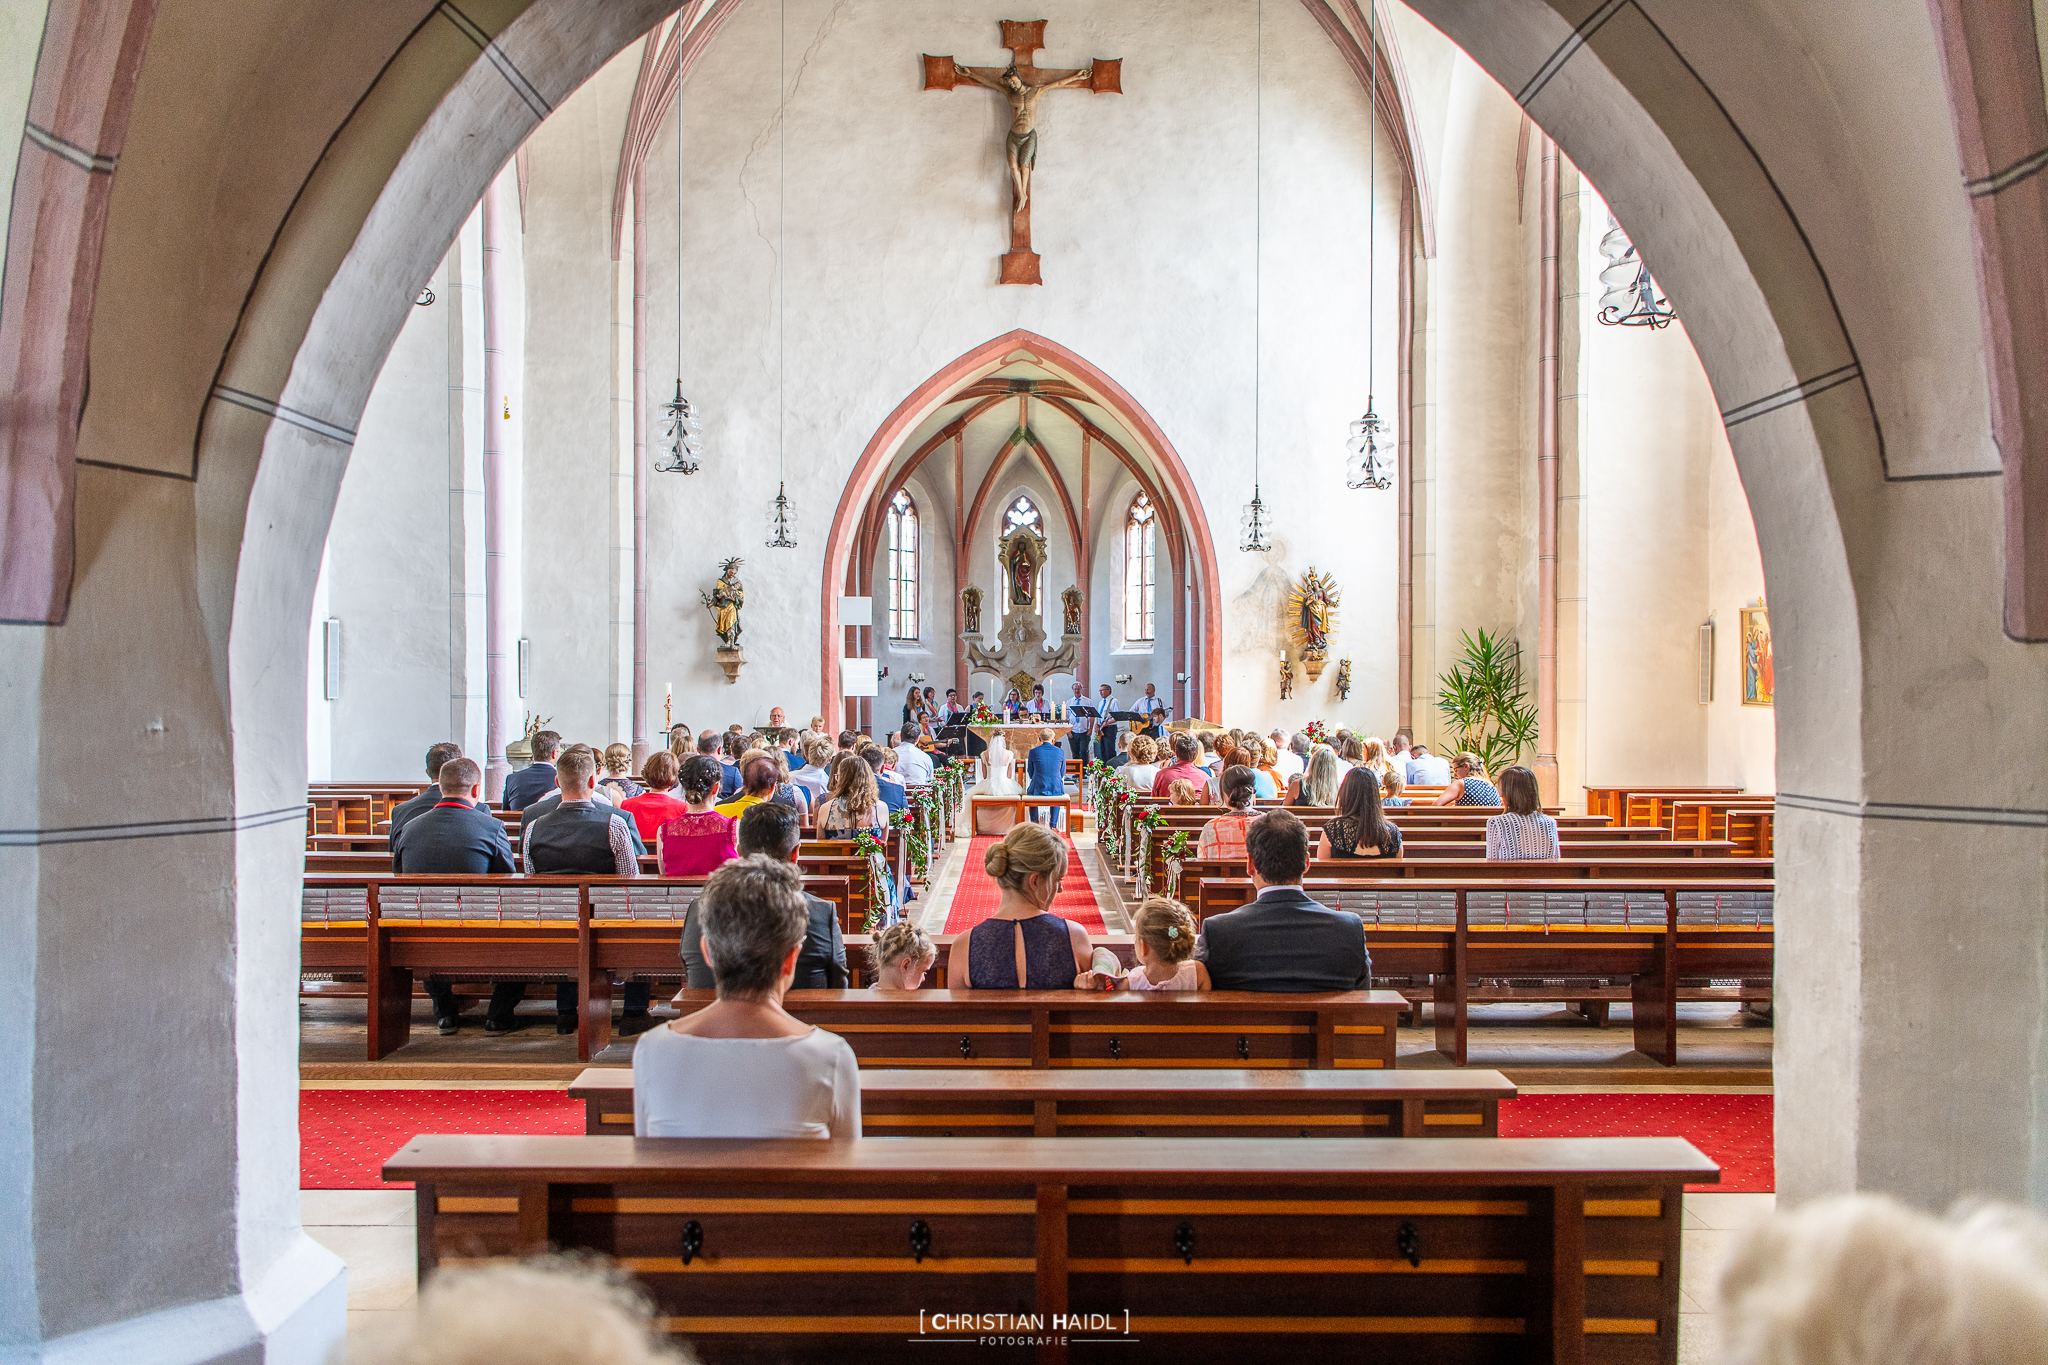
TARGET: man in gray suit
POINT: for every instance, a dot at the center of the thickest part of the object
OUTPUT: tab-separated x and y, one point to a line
1283	941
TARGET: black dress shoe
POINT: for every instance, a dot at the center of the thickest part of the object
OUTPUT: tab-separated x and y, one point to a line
498	1026
565	1023
447	1026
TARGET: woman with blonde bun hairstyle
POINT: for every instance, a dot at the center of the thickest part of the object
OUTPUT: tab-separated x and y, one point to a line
1023	946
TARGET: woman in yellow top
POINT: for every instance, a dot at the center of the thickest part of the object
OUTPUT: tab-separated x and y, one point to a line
758	776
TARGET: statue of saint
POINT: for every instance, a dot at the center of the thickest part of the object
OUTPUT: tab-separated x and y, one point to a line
970	610
1317	604
1023	97
1023	583
725	600
1286	678
1070	611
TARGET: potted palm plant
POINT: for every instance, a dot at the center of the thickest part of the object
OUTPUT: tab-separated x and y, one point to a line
1483	701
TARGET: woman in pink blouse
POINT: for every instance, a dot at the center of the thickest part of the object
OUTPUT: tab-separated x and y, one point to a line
700	841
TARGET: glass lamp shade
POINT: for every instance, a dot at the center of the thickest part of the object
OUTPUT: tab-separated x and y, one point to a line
1629	296
682	436
1365	467
782	521
1256	529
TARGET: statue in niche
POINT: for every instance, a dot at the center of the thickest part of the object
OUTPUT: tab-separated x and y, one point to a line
970	610
1070	611
724	601
1023	571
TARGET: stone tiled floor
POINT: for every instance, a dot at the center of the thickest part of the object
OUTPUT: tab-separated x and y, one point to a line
372	1231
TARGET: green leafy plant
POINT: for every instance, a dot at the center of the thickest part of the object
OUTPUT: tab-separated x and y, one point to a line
1483	700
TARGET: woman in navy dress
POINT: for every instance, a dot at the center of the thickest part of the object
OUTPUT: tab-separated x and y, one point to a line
1022	946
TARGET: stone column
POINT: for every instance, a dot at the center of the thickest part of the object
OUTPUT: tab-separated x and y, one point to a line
503	288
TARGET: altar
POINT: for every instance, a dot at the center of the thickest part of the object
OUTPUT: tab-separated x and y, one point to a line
1001	786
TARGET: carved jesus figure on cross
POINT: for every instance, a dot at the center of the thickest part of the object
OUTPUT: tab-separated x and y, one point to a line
1022	83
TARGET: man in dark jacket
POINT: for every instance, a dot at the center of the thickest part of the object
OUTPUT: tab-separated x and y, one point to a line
1283	941
431	797
583	834
454	835
537	779
821	962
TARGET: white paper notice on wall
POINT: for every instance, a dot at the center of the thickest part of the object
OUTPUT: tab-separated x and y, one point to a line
857	611
858	678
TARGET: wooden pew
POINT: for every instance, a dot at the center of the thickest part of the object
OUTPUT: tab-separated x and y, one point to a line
1057	1030
1615	801
1135	1103
393	930
1186	1249
1653	933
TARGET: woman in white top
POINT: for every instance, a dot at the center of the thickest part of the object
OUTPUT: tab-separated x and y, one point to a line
1144	765
742	1067
817	751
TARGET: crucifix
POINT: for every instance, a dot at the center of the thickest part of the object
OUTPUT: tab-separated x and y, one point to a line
1022	84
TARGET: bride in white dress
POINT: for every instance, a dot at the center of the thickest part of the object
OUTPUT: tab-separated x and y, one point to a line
999	777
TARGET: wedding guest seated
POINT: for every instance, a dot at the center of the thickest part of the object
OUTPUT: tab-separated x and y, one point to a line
1468	785
1186	749
657	802
553	1311
1391	787
787	793
852	803
1861	1279
430	796
1045	774
900	957
1376	756
1185	793
700	840
1208	761
913	764
618	773
1122	757
1358	829
458	834
1143	768
583	835
812	777
777	832
879	760
1283	940
537	779
712	745
1252	753
743	1067
1350	748
1223	837
759	777
1426	769
1290	755
1163	941
1022	946
1317	788
682	742
536	809
1524	833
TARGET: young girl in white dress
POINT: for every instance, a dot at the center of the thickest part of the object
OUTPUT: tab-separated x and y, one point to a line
1165	944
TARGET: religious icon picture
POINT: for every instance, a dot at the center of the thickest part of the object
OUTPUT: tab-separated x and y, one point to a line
1757	685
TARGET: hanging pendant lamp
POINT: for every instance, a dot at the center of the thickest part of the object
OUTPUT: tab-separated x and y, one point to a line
1255	527
1365	466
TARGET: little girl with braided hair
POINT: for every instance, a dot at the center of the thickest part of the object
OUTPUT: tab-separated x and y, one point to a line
1165	944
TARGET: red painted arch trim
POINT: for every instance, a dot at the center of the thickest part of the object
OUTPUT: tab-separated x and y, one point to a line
868	470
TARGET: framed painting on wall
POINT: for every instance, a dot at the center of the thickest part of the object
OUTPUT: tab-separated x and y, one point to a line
1757	684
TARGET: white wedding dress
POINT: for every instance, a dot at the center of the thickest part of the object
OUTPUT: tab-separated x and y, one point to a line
999	776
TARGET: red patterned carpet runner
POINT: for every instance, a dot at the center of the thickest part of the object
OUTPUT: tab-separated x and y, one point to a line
978	895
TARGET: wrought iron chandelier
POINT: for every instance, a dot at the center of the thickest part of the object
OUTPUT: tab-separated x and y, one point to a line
1364	468
1629	297
682	443
782	514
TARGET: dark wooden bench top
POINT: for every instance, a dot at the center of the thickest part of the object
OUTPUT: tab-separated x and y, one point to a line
1135	1083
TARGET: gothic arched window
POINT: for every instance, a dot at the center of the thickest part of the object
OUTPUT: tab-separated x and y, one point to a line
1021	513
902	568
1141	571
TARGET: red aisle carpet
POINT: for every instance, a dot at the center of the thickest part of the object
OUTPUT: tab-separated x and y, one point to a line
977	896
1735	1130
346	1135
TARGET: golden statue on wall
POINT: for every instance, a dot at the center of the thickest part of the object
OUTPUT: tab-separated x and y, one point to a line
1312	619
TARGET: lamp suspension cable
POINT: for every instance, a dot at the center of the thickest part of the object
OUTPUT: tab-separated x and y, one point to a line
782	519
682	435
1255	529
1364	468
